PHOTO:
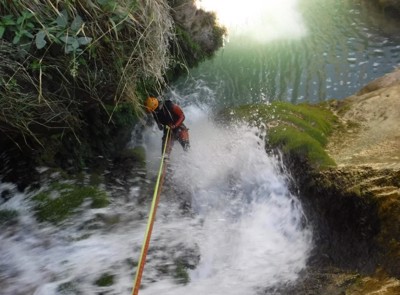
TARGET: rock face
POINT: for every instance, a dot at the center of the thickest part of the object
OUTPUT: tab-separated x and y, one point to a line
355	207
372	126
370	145
391	7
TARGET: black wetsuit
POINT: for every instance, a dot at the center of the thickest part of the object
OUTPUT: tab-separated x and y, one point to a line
170	114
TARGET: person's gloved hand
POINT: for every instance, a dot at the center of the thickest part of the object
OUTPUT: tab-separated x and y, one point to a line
172	126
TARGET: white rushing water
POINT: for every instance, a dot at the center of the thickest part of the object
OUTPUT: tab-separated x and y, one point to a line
246	231
248	228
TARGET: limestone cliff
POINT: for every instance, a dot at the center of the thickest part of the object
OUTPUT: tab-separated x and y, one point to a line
355	206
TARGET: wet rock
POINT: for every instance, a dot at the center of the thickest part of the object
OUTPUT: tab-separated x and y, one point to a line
388	80
390	8
7	191
355	206
6	195
17	167
8	217
127	171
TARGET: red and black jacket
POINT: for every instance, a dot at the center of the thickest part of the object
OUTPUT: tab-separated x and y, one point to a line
170	114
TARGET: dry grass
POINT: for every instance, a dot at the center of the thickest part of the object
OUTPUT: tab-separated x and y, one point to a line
74	74
48	88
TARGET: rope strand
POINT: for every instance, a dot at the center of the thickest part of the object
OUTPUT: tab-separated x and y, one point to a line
152	214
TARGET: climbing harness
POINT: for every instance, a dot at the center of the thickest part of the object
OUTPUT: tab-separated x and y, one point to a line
151	218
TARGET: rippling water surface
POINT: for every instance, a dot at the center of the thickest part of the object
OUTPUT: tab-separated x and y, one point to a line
298	51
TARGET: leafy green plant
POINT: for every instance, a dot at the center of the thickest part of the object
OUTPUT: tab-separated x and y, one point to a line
26	28
21	27
107	5
83	56
63	32
122	115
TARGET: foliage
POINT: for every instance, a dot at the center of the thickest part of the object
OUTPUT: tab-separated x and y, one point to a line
76	54
21	27
61	199
192	50
62	59
198	35
299	129
25	27
122	114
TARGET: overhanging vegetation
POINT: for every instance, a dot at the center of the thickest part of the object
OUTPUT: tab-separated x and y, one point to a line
72	71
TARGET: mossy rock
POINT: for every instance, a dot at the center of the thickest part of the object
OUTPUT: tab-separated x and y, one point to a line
61	199
8	216
181	270
105	280
379	283
68	288
181	274
137	153
96	179
301	130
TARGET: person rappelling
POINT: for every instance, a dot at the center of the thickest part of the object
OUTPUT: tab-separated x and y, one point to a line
169	115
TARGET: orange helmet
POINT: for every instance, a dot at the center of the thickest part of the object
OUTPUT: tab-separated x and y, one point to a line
151	104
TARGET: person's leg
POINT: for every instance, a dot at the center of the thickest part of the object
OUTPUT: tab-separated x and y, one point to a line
182	134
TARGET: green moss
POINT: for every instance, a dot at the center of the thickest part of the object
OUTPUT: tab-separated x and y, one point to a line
8	216
60	201
293	140
96	179
123	114
297	129
181	273
356	190
137	154
192	50
105	280
97	83
68	288
99	198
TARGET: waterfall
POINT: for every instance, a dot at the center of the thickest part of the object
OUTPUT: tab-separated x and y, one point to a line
243	231
247	228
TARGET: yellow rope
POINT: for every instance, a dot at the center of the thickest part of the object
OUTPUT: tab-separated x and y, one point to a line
150	222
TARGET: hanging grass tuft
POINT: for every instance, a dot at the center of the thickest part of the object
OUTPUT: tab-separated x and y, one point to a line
69	67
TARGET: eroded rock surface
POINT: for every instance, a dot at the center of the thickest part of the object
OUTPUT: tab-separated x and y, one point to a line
355	207
371	134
